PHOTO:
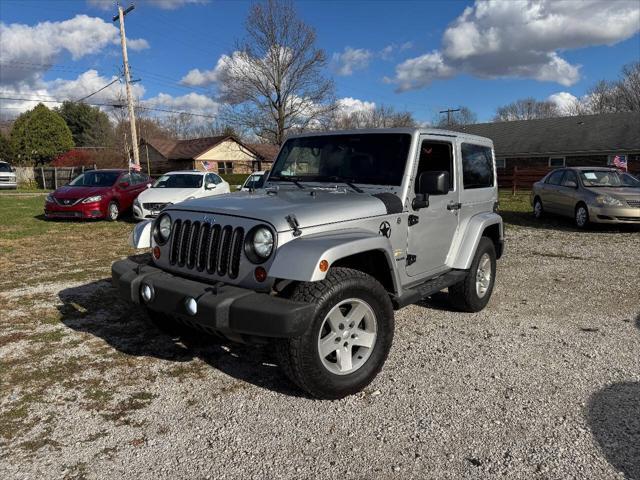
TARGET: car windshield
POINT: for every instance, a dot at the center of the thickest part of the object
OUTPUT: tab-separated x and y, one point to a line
178	181
5	167
255	181
608	178
95	179
368	158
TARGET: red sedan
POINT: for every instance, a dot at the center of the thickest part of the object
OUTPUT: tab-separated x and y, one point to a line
96	194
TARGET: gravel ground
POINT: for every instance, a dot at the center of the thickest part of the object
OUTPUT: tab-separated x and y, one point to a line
544	383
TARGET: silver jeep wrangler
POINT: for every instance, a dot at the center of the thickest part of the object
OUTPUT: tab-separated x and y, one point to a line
349	227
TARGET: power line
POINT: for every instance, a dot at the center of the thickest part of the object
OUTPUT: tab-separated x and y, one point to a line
98	91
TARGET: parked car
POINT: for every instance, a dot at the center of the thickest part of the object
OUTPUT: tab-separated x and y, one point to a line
588	194
96	194
174	187
254	181
349	227
7	176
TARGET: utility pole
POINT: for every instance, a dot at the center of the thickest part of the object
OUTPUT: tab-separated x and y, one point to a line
449	111
127	79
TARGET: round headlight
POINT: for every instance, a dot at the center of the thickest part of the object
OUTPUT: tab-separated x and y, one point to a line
163	229
259	244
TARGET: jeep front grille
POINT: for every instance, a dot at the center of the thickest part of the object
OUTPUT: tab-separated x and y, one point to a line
201	246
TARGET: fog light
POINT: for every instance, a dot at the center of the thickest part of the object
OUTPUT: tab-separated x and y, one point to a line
260	274
191	305
156	252
146	292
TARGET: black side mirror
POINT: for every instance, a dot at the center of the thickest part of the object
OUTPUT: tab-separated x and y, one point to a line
433	183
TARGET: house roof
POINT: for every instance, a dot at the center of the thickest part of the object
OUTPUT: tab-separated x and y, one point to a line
267	151
192	148
563	135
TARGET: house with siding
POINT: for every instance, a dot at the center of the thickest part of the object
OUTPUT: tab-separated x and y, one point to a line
584	140
222	154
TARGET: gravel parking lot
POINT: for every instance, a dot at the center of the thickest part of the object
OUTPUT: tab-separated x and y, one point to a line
544	383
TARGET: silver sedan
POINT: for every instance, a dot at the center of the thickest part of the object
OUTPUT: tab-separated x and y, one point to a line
588	194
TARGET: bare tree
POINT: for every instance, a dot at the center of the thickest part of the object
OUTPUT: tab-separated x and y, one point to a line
274	81
526	109
464	116
382	116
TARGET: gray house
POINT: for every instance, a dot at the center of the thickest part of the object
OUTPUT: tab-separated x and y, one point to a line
587	140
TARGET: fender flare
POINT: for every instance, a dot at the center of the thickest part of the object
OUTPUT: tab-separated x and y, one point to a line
299	259
140	236
471	235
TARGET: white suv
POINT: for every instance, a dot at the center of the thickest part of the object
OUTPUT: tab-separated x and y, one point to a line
175	187
7	176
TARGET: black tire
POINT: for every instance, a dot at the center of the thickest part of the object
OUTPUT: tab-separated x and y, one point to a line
580	221
463	295
538	212
113	211
299	357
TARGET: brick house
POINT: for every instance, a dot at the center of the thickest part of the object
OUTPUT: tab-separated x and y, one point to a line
584	140
222	154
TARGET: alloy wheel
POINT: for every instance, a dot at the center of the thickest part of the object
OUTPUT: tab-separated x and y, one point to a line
483	275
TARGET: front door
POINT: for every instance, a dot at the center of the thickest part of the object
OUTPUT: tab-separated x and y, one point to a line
430	239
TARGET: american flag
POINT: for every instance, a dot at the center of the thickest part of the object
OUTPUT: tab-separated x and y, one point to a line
206	165
620	161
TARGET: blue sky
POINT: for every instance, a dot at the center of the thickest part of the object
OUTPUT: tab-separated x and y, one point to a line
434	73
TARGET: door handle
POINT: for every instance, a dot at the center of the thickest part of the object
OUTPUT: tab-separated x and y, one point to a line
454	206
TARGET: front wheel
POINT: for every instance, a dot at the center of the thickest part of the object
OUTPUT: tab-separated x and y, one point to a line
113	211
537	208
473	293
582	216
348	339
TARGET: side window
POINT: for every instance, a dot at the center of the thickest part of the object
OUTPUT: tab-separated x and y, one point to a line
477	166
215	179
125	178
569	177
436	157
555	178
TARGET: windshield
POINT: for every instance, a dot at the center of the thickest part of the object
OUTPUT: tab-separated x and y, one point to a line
179	181
255	181
5	167
608	178
370	158
95	179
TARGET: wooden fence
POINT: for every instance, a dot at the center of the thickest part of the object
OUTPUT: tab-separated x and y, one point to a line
521	178
54	177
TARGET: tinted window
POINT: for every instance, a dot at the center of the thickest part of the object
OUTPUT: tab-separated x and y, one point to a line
179	181
374	158
555	177
435	157
5	167
570	177
255	181
95	179
477	166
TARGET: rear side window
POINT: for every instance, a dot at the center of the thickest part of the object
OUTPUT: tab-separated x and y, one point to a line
555	178
477	166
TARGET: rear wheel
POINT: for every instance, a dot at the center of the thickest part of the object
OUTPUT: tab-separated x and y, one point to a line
581	216
473	293
113	211
348	339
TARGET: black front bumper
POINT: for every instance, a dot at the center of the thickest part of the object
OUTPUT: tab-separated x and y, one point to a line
231	311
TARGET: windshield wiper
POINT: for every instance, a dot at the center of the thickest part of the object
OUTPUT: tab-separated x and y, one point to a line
288	179
346	181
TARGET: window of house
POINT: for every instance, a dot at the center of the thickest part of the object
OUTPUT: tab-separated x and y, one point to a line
225	168
501	163
436	157
556	162
477	166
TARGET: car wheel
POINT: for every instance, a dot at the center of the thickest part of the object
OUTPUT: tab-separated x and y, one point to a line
113	211
538	211
582	216
473	293
348	339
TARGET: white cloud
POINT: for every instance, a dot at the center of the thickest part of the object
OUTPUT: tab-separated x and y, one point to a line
387	52
418	72
162	4
563	100
349	105
26	51
350	60
191	102
199	78
496	39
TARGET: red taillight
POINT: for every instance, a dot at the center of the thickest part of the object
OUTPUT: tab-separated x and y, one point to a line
260	274
156	252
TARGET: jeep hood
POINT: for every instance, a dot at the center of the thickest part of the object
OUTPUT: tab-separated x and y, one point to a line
322	207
